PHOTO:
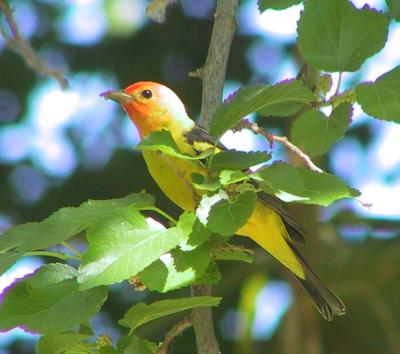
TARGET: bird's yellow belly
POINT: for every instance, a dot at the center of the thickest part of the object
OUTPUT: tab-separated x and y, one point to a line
173	176
264	226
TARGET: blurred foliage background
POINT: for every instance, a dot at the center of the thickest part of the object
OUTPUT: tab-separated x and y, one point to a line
61	147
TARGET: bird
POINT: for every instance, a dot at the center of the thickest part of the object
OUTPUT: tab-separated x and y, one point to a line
154	107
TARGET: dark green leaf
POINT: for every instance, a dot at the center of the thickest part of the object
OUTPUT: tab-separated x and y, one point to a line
302	185
314	133
381	99
65	223
276	4
141	313
238	160
7	259
205	183
163	141
394	8
62	343
256	98
136	345
122	246
225	216
228	177
232	255
212	275
335	36
49	301
176	269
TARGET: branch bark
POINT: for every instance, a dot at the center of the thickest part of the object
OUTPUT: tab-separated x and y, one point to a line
213	78
213	71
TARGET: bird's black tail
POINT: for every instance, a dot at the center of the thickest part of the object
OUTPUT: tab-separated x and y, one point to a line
327	303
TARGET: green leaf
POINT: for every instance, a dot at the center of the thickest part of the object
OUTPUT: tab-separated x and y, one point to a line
176	269
256	98
205	183
335	36
291	183
212	275
276	4
238	160
394	8
49	301
164	142
141	313
65	223
314	133
136	345
196	232
121	246
229	177
232	255
225	217
62	343
381	99
7	259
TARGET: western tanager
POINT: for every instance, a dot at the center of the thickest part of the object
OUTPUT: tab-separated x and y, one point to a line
153	107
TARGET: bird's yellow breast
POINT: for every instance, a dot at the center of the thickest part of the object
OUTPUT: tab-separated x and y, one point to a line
173	176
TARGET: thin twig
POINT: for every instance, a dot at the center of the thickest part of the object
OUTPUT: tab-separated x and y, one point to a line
280	139
18	43
173	332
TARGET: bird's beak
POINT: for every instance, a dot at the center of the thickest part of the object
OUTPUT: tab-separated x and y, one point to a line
117	96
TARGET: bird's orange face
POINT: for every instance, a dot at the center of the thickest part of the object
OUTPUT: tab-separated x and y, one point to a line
150	105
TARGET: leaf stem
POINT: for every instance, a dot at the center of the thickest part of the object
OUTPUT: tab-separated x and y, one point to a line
72	249
161	212
51	254
338	83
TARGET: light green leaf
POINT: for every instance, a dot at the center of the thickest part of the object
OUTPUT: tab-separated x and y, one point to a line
136	345
291	183
176	269
314	133
394	8
163	141
381	99
7	259
276	4
63	343
65	223
141	313
49	301
196	232
335	36
122	246
256	98
227	216
238	160
228	177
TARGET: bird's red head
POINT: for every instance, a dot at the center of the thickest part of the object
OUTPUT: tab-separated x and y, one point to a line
151	106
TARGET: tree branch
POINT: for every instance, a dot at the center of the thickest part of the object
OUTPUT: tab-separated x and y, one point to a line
213	71
213	78
280	139
174	332
18	43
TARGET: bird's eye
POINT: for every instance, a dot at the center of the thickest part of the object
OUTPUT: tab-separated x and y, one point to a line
147	94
